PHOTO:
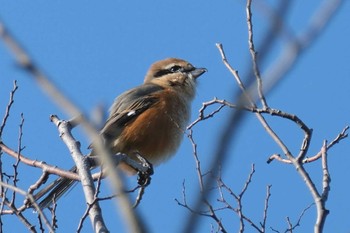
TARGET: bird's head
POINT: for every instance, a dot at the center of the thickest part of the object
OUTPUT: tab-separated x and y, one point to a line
175	73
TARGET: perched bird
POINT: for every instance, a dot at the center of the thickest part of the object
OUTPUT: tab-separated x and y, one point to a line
149	119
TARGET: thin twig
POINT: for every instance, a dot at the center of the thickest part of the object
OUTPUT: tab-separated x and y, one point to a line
210	212
256	69
202	116
238	197
31	198
41	225
301	215
85	215
262	120
42	179
197	160
53	213
267	199
215	217
342	135
15	166
291	227
235	74
9	105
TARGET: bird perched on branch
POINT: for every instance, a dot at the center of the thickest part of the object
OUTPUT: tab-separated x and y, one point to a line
149	120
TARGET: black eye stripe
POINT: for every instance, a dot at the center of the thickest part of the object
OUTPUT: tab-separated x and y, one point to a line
160	73
173	69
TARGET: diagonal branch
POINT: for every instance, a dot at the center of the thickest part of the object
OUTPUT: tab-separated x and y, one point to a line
131	218
83	169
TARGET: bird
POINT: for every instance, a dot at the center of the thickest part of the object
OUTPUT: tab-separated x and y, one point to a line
148	120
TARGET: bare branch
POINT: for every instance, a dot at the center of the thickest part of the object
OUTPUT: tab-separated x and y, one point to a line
266	207
301	215
196	158
202	116
278	158
235	74
40	164
253	55
342	135
42	179
32	200
238	197
83	169
15	166
53	214
291	227
210	212
9	105
322	212
85	215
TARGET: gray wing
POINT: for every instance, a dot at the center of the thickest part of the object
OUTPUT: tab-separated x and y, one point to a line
127	107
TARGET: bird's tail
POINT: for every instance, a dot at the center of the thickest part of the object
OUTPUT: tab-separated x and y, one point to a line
54	191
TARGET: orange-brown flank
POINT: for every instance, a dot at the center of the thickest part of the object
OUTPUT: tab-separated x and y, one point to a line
155	134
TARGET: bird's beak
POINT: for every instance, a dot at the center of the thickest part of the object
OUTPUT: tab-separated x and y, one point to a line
198	72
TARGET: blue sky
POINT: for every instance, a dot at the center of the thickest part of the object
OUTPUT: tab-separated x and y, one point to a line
95	51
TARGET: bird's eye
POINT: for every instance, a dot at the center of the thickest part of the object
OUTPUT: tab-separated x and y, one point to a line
175	69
